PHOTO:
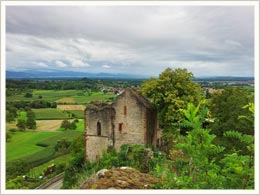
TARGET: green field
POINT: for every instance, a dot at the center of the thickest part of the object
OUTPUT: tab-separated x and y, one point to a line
96	96
80	125
79	97
78	113
49	113
24	143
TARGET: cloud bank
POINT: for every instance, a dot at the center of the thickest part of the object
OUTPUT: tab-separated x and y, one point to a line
207	40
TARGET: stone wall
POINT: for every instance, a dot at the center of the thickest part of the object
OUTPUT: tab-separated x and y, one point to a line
97	141
129	113
96	146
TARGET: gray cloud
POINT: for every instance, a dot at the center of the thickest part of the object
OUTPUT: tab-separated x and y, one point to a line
208	40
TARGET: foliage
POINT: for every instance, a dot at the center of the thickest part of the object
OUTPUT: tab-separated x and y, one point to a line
67	125
31	123
225	108
170	93
73	170
8	136
201	171
11	113
198	168
62	146
16	168
28	95
108	160
21	124
77	144
239	166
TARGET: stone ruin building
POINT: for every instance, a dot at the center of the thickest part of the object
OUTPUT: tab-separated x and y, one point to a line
130	119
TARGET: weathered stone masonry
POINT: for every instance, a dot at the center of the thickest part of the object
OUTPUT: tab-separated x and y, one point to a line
131	119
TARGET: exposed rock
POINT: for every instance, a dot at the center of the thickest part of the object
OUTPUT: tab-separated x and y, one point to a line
101	173
121	178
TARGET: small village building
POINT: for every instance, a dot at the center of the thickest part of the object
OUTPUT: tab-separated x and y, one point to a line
130	119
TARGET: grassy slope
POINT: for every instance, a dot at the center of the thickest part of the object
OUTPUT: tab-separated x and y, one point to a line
24	143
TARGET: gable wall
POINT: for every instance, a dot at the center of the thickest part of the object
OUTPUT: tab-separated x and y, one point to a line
133	128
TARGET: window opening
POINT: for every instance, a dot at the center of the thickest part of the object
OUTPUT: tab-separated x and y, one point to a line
98	128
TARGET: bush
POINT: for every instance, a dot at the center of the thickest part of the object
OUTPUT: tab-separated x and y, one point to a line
21	124
62	146
8	136
13	130
28	95
108	160
136	156
17	168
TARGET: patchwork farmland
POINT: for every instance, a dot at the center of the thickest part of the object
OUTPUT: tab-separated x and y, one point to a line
49	142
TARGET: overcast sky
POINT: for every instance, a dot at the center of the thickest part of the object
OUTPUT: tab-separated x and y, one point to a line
207	40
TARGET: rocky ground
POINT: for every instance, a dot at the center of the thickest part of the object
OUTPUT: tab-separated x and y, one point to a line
121	178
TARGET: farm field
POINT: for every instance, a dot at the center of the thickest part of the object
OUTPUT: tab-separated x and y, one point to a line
77	113
64	96
71	107
97	96
48	125
24	143
65	100
49	113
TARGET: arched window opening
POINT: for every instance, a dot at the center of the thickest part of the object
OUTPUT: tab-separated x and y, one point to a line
98	128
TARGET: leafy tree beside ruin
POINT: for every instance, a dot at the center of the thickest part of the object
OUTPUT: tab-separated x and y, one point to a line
170	93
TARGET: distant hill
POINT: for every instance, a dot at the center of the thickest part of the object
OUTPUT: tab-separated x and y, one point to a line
224	78
67	74
70	74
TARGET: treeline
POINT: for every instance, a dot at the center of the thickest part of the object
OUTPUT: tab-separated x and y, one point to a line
31	104
13	107
16	86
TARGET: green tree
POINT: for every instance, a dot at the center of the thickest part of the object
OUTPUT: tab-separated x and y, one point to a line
21	124
225	107
62	146
65	124
30	114
77	144
170	93
73	125
17	168
31	123
28	95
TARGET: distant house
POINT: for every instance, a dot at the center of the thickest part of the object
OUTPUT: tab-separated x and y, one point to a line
130	119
